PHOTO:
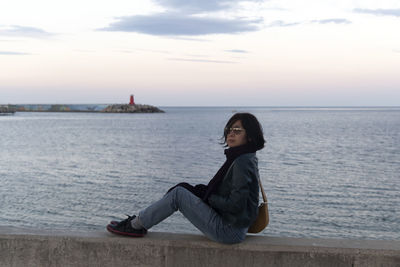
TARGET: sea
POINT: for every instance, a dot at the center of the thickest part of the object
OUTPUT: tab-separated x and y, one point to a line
328	172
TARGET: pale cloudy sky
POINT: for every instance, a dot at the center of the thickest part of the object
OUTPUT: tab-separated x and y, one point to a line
201	52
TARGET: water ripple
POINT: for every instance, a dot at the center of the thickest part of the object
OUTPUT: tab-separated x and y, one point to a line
328	173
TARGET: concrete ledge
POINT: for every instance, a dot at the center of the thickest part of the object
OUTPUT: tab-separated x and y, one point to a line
98	248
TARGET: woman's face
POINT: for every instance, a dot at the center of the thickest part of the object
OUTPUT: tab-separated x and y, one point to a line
236	135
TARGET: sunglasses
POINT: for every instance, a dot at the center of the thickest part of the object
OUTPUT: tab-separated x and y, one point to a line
235	130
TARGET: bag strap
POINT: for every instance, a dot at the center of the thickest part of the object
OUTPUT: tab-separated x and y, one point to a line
262	191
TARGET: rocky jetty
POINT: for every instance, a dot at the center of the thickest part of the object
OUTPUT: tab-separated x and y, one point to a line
126	108
7	109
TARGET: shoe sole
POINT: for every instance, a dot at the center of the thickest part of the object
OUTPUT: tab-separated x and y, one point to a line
112	230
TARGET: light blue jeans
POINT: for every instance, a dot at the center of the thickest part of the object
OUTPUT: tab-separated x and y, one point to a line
206	219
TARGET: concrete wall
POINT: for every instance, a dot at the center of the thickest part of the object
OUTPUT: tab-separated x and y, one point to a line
20	247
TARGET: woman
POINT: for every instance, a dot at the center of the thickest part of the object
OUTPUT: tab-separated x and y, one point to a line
225	208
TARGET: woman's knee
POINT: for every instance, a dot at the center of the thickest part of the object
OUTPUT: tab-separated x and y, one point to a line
178	195
184	199
180	192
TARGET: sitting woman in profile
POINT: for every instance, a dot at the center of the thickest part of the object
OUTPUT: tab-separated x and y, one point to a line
225	208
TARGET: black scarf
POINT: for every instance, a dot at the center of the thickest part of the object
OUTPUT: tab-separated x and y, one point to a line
204	191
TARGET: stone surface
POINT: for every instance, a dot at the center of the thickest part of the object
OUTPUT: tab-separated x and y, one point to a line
20	247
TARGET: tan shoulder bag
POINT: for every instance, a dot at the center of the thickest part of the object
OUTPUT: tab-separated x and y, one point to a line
263	217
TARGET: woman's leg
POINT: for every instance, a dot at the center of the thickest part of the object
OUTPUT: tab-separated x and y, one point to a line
196	211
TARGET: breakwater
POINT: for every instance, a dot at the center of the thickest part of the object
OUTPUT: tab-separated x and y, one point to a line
106	108
7	109
60	107
98	248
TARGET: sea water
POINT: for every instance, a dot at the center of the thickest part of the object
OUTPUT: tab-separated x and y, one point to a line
327	172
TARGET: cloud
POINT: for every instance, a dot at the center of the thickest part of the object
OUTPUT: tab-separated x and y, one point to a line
280	23
196	55
203	60
335	21
154	51
237	51
8	53
196	39
200	6
23	31
379	12
184	18
176	24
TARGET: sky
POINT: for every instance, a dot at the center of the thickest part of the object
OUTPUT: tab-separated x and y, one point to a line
201	52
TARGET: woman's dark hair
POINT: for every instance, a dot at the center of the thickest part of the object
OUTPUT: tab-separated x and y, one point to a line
253	129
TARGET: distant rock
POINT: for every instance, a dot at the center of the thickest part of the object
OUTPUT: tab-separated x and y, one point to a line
126	108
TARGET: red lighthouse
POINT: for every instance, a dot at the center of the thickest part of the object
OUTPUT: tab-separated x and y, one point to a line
132	101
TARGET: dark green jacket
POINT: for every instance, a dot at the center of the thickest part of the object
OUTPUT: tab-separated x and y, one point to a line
236	199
